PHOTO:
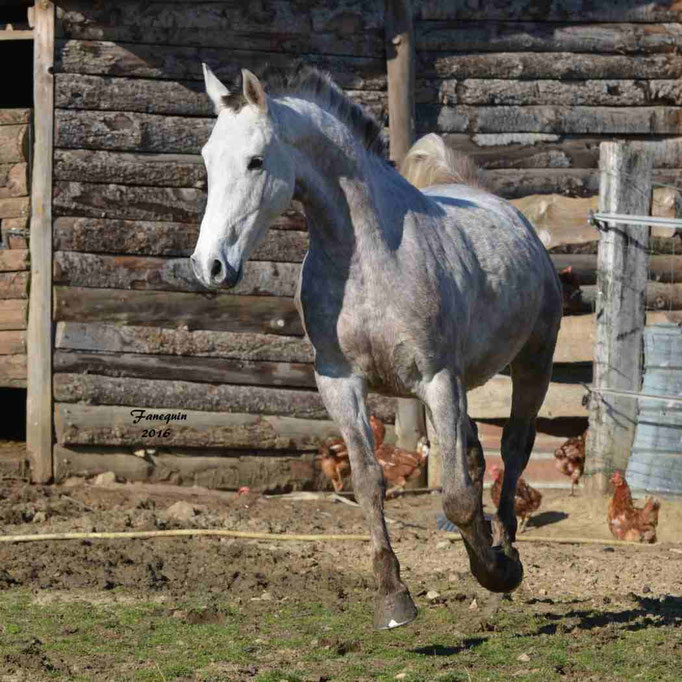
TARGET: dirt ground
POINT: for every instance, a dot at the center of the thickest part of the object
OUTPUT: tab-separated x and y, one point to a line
255	573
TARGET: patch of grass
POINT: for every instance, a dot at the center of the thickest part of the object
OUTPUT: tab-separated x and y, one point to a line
196	639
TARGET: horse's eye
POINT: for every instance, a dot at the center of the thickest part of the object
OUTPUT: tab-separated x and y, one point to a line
255	163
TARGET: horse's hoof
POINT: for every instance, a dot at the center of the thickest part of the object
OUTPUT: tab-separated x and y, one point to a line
500	573
393	610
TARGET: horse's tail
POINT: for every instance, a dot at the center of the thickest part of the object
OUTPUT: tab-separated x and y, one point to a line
431	162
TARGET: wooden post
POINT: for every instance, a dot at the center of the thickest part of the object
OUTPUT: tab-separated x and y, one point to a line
622	263
39	336
399	37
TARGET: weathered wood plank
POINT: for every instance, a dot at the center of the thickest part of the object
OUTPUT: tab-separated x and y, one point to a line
620	307
665	269
14	143
546	150
210	311
13	371
115	338
499	91
576	182
12	343
169	239
14	260
259	473
557	120
14	284
577	337
183	98
15	207
180	368
493	400
536	65
348	27
185	395
557	10
492	36
261	278
78	424
13	314
131	131
184	205
13	180
657	296
164	170
162	62
11	117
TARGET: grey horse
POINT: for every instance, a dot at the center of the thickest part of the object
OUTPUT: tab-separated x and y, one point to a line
407	292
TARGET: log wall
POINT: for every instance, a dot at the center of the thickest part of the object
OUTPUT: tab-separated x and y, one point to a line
531	89
528	91
15	136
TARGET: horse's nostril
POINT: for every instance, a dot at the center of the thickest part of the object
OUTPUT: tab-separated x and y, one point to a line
216	270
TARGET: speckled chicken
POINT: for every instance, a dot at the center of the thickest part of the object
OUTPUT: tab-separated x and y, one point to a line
627	522
571	458
527	499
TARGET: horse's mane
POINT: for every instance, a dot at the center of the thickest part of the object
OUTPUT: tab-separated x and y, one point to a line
431	162
306	82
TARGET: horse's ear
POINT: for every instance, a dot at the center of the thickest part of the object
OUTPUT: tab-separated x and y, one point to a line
214	89
254	92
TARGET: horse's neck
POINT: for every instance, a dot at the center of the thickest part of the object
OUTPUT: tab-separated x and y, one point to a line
338	191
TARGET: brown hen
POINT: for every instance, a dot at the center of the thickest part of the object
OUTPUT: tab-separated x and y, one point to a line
526	501
627	522
572	295
571	458
399	465
334	460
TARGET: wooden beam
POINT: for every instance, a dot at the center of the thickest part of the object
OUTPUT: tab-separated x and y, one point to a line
6	34
400	69
117	338
189	395
79	424
260	471
179	368
39	337
13	314
625	188
173	309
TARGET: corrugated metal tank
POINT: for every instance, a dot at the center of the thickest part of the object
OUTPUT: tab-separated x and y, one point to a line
655	463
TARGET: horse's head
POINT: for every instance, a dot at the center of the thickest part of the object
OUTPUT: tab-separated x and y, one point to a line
250	180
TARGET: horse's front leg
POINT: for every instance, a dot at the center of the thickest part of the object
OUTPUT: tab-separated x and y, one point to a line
344	399
496	568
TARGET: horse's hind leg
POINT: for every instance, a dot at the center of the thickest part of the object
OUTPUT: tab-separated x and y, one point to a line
344	399
497	569
531	372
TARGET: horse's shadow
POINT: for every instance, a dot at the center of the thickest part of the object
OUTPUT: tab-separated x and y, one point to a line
650	613
546	518
440	650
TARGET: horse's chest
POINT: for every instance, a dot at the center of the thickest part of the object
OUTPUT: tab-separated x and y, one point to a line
361	328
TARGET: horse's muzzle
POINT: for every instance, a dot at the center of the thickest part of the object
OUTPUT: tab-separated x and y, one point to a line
219	275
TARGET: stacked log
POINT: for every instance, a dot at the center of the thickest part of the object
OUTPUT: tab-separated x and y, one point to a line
529	91
14	261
